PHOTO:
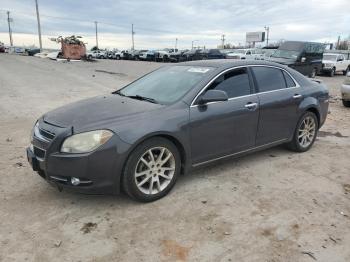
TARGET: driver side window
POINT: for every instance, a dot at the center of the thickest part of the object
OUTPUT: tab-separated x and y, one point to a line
235	83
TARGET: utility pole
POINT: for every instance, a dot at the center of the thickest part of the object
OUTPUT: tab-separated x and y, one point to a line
96	35
223	41
175	44
267	28
39	27
132	37
338	42
9	20
193	42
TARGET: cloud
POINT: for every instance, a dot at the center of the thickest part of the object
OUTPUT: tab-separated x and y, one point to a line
158	23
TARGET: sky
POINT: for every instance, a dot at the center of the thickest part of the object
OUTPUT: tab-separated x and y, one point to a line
158	23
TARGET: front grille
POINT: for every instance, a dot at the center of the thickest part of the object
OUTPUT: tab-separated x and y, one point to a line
47	134
38	152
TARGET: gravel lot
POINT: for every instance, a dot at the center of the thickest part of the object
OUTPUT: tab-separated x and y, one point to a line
274	205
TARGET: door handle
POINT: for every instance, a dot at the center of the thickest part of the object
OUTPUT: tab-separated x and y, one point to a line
297	96
251	106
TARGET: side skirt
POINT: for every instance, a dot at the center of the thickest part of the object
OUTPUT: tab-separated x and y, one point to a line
244	152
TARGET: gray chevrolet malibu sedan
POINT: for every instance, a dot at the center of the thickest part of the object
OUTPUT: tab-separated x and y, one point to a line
140	138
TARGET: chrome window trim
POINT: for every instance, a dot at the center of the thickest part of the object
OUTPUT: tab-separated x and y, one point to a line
246	66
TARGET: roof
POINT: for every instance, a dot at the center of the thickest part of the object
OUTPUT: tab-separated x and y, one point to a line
227	63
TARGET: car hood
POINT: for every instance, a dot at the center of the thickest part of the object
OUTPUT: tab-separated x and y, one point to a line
235	54
328	62
98	112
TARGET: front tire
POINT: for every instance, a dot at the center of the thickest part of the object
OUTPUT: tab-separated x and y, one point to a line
332	72
151	170
305	133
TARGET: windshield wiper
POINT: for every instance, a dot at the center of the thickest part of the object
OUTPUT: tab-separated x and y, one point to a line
118	93
143	98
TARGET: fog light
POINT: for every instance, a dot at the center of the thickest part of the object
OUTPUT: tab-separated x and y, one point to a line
75	181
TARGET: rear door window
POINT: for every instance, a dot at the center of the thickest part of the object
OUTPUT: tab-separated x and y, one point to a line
235	83
268	78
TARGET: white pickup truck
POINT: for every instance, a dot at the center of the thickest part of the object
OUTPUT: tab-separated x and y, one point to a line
334	63
101	54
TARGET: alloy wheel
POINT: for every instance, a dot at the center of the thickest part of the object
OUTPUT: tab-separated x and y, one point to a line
307	132
154	170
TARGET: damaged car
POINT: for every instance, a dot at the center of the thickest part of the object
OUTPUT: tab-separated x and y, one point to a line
179	117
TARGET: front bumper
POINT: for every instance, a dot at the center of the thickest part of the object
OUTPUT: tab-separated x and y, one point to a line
99	171
345	92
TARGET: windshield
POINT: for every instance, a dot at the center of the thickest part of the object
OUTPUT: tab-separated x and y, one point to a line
330	57
166	85
286	54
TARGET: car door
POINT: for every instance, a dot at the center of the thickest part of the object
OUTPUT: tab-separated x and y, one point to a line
279	99
221	128
340	63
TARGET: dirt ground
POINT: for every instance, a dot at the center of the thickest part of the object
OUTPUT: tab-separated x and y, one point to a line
273	205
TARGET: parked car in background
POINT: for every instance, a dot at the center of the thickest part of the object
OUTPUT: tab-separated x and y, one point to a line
101	54
305	57
334	63
211	54
134	54
193	54
32	51
345	91
179	117
149	55
2	47
243	54
177	56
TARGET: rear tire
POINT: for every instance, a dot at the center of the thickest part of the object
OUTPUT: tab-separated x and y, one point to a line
313	73
346	71
305	133
346	103
148	174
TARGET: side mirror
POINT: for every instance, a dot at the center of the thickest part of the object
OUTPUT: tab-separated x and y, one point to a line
213	96
339	59
303	59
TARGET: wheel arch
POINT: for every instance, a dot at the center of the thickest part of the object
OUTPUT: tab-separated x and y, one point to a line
313	109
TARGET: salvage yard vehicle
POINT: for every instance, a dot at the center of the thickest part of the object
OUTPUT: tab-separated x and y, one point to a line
334	63
191	55
240	54
345	91
305	57
211	54
149	55
140	138
2	47
101	54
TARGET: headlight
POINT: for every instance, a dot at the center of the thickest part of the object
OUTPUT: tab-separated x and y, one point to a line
85	142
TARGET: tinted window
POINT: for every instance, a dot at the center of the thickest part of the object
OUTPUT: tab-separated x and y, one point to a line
235	83
269	78
289	80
